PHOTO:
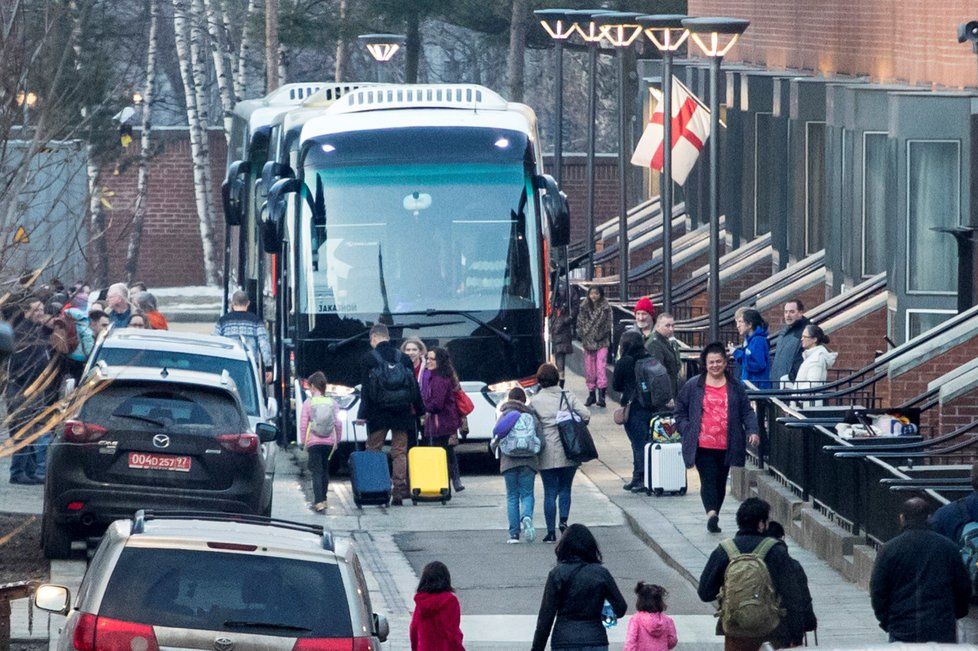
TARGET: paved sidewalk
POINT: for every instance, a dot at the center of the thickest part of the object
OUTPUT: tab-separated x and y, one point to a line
675	527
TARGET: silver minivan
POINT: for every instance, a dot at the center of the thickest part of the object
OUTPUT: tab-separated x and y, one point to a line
218	581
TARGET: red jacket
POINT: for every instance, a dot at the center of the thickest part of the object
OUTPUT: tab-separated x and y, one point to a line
435	623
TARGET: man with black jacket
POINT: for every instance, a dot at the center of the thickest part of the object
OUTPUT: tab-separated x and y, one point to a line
752	517
381	417
659	345
787	345
919	587
950	519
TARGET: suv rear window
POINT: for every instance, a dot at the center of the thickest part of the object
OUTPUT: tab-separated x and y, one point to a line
219	591
239	370
143	407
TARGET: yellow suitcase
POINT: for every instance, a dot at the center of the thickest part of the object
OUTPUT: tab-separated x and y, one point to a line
428	475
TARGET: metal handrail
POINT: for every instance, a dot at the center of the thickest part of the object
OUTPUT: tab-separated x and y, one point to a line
917	445
854	454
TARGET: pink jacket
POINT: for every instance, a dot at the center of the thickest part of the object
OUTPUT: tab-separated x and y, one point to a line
308	438
650	632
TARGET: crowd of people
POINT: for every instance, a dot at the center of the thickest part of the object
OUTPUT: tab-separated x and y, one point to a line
55	329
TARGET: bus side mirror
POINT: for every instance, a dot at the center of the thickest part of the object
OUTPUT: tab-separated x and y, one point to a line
556	208
232	190
273	224
273	171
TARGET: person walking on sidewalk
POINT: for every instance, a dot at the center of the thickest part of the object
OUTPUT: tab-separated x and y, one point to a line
787	344
517	461
716	422
919	587
594	331
437	618
644	317
561	331
239	322
661	347
389	401
575	594
799	617
322	431
650	628
636	365
753	355
751	574
556	470
443	418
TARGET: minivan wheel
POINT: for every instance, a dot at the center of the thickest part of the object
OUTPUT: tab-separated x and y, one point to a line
55	538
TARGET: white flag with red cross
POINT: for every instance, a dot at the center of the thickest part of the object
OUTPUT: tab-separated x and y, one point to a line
690	130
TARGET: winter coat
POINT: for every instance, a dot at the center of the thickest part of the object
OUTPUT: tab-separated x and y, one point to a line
438	395
380	417
623	379
650	632
594	324
814	367
244	324
561	331
787	350
799	617
156	320
753	356
86	339
309	439
119	319
574	596
29	359
500	431
546	404
919	587
436	622
664	351
951	518
778	564
741	419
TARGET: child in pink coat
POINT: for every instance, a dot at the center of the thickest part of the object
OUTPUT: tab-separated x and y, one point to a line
650	629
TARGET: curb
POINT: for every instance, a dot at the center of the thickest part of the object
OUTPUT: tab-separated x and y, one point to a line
650	542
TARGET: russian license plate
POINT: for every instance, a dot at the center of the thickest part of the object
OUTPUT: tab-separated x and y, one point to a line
150	461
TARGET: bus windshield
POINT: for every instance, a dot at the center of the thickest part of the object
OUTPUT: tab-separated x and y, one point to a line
420	236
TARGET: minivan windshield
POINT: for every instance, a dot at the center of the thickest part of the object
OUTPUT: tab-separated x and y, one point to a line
239	369
219	591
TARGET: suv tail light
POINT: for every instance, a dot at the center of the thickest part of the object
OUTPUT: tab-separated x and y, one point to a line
95	633
333	644
239	443
77	431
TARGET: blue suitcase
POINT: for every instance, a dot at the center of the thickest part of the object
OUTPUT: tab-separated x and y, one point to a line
370	476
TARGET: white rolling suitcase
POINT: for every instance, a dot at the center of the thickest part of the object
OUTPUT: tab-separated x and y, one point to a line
665	470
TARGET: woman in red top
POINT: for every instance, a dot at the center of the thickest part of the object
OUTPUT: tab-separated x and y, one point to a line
436	622
716	422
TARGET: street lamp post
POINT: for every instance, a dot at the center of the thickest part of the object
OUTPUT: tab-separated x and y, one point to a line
619	30
667	34
714	37
382	47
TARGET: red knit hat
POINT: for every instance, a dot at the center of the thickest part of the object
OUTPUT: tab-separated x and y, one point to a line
644	304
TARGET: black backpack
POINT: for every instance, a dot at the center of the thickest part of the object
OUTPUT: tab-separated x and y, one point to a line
392	384
653	388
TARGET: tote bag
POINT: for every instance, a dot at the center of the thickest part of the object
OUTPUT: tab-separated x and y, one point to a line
574	435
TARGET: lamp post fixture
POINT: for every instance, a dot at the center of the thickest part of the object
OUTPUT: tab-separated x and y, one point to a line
619	29
560	26
714	37
588	29
382	47
667	34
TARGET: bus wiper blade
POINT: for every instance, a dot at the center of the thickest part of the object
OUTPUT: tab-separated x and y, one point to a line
506	337
332	348
281	627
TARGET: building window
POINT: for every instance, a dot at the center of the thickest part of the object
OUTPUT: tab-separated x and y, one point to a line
874	202
920	321
814	185
764	162
933	199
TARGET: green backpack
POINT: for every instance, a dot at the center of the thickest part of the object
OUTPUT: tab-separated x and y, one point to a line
749	606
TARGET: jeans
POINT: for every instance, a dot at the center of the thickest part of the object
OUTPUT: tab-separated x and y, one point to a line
398	455
30	460
557	487
637	429
595	368
319	468
713	469
519	496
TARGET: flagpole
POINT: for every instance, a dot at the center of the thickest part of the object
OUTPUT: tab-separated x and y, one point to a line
666	181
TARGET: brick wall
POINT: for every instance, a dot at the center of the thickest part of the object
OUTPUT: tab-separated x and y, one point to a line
888	40
574	185
811	297
857	341
171	253
914	381
961	411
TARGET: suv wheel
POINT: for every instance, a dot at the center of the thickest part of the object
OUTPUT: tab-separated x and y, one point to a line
55	538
